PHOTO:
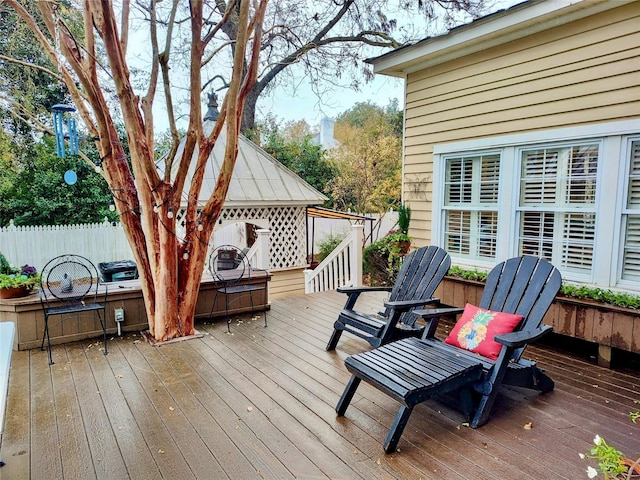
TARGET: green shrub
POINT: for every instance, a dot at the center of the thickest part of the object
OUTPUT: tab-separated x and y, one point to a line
404	218
329	244
382	261
5	267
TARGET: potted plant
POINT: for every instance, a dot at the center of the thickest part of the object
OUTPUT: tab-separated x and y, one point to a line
400	239
16	282
612	463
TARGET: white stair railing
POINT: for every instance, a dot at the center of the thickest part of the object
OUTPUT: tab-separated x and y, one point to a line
341	268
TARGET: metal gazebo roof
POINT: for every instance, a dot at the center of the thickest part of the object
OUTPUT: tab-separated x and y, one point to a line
258	178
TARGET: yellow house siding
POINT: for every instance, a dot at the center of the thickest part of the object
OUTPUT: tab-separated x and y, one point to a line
574	72
580	73
286	282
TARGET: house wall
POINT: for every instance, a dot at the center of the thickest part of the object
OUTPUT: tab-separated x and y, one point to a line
580	73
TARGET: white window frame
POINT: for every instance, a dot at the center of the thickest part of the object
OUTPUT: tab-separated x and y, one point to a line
614	139
625	174
476	206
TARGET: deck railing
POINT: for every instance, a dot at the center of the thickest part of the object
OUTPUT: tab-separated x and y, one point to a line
342	268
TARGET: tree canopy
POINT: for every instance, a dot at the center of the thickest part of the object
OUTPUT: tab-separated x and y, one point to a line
292	146
368	159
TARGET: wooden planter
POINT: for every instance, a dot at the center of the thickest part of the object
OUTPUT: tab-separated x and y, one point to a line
14	292
606	325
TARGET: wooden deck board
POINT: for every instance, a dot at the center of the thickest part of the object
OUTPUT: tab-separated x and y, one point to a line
259	403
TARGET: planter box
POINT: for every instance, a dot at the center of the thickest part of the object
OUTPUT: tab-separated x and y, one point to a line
27	314
608	326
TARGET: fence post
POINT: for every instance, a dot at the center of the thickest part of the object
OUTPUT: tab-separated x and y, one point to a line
262	257
355	254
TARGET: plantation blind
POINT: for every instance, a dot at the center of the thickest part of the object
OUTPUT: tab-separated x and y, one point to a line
631	219
471	205
557	204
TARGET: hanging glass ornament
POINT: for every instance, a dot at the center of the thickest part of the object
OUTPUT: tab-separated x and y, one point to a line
70	177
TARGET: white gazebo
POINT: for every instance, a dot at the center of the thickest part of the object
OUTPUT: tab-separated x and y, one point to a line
263	194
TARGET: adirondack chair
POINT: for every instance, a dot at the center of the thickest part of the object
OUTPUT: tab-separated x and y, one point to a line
421	273
413	370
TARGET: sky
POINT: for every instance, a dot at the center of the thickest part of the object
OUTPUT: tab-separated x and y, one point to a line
305	105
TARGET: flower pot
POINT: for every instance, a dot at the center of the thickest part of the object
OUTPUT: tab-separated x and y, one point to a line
403	247
14	292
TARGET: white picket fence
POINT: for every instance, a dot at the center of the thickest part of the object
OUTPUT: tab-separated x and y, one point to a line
99	242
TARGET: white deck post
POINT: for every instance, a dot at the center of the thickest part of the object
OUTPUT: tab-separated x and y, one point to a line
262	252
356	255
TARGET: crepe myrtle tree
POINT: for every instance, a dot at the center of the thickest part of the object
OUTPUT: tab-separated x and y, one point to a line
87	41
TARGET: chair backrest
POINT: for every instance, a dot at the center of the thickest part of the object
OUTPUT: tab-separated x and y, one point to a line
68	278
228	264
420	274
524	285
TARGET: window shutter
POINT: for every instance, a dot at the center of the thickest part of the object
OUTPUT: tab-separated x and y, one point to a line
631	250
579	237
457	231
489	179
539	176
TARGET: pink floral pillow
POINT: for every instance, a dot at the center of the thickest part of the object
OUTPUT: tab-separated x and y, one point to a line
477	327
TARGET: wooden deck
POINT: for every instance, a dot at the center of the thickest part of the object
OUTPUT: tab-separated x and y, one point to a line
259	403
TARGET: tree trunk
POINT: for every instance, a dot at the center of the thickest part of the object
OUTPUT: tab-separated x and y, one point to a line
148	204
249	115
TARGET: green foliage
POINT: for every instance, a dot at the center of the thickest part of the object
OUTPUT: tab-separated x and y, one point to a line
33	191
362	113
610	459
635	415
5	266
328	245
299	154
404	217
368	160
382	259
33	89
455	271
38	195
620	299
25	276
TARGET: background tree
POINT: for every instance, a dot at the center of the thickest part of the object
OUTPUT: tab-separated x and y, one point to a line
326	41
92	62
33	192
292	146
367	160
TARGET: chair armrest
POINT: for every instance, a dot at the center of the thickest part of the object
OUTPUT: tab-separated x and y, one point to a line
429	313
432	317
522	338
350	290
404	305
354	293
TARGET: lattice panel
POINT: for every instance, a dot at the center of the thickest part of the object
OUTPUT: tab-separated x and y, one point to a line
288	238
288	226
